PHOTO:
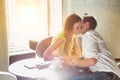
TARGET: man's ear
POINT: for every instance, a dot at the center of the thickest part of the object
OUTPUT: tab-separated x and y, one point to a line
87	25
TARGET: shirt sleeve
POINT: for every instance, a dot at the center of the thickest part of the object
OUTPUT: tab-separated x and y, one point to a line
90	47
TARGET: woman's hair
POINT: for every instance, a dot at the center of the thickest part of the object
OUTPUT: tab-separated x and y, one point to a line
68	28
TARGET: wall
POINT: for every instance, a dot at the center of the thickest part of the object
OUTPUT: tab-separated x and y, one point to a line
107	13
3	39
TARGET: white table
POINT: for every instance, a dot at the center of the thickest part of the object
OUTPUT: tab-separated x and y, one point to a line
18	68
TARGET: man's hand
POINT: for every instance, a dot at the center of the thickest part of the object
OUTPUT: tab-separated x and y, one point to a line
72	60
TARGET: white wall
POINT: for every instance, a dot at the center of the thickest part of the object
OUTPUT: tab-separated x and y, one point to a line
3	38
107	13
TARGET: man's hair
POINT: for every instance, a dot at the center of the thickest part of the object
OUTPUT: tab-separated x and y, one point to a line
92	21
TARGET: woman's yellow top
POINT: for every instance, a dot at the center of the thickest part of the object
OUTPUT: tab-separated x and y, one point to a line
60	50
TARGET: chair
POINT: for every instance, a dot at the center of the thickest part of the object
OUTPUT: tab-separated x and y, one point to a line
118	64
7	76
33	44
43	45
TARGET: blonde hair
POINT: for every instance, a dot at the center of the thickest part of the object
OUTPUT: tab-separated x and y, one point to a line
68	28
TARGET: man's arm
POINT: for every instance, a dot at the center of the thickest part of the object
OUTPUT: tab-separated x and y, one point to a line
90	50
77	61
87	62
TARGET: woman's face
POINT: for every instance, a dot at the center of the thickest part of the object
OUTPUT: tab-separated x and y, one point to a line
77	27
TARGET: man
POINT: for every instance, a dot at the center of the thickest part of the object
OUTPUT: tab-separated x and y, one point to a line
95	54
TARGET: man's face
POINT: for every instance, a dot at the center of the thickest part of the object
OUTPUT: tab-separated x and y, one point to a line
84	27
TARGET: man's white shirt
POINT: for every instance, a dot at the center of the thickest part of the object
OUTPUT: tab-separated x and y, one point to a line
93	46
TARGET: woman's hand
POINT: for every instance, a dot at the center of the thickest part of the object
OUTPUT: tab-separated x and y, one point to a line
48	57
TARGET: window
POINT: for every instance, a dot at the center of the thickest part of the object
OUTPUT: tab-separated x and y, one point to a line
31	19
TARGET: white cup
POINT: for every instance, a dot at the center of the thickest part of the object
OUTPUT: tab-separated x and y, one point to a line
56	63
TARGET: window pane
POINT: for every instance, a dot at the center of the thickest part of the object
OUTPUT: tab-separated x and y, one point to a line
27	19
32	20
56	16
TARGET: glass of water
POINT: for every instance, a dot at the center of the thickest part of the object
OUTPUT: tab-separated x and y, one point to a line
56	63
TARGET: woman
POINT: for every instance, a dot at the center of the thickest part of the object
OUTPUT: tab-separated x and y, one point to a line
65	43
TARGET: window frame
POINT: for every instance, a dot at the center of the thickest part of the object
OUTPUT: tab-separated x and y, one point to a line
51	23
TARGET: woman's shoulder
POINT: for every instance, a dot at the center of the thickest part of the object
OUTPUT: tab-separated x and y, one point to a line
60	35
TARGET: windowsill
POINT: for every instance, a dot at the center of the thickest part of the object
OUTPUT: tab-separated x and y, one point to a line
29	51
20	55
